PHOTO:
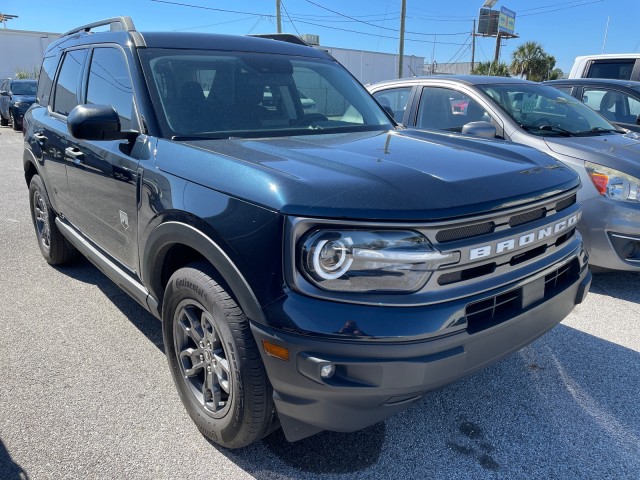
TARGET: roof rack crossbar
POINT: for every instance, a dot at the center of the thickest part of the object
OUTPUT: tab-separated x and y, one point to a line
116	24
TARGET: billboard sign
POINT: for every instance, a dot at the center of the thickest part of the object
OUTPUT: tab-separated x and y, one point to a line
507	22
488	22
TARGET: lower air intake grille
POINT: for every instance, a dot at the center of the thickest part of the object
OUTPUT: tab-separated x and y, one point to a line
494	310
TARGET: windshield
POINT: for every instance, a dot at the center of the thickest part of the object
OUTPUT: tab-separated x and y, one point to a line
211	94
544	110
23	88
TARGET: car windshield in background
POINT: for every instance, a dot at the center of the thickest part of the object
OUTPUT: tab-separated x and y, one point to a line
211	94
23	88
543	110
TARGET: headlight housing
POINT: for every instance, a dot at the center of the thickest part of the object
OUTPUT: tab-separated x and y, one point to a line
613	183
395	261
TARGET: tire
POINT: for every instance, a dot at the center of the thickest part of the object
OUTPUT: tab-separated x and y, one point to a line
214	359
14	123
3	121
55	249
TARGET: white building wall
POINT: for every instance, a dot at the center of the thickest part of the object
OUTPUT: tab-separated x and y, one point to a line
372	67
20	49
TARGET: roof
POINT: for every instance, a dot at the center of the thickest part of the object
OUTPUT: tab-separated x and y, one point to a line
123	32
214	41
595	81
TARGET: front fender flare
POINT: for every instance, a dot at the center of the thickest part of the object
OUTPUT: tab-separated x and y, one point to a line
167	234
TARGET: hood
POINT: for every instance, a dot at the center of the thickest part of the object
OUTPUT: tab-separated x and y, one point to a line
23	98
621	152
396	175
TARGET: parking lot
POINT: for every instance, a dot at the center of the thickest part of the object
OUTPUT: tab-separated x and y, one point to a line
85	391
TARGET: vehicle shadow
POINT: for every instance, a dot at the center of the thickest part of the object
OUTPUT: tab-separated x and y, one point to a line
549	411
9	470
563	407
84	271
622	285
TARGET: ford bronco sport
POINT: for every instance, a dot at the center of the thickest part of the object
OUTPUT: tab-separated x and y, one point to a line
315	271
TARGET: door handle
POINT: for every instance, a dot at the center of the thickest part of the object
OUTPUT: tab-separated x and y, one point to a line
40	138
75	155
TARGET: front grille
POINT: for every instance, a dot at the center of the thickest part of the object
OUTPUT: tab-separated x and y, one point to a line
566	203
471	230
491	311
461	233
527	217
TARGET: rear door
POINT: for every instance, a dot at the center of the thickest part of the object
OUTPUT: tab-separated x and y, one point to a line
103	175
50	129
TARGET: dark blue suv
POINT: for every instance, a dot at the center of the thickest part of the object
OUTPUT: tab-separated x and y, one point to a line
314	268
16	96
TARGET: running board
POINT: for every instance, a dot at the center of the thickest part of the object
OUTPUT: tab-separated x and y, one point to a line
134	289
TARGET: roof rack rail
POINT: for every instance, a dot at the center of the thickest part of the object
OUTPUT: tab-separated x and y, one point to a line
116	24
282	37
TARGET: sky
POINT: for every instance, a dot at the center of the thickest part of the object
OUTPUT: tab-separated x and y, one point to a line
437	30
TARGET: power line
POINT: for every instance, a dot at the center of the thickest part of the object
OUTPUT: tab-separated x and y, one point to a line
270	16
378	26
562	8
291	21
213	24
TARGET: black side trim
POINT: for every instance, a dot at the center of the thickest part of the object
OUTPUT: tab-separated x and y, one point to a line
134	289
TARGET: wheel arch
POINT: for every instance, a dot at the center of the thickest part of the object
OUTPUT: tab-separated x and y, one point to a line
29	164
172	245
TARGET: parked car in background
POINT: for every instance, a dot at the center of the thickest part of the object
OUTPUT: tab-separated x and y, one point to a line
545	118
619	66
616	100
16	96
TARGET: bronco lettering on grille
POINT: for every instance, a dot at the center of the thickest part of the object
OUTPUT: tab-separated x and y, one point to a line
524	239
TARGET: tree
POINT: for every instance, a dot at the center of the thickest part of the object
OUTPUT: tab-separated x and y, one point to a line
490	68
555	74
531	61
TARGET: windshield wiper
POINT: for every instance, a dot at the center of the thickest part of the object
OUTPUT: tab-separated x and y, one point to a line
185	138
548	128
601	129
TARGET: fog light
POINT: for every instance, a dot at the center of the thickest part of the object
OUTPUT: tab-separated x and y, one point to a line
327	370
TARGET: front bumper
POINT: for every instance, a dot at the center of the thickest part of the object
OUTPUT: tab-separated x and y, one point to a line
604	220
376	378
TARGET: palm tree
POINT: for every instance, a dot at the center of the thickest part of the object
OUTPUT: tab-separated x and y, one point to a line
529	60
490	68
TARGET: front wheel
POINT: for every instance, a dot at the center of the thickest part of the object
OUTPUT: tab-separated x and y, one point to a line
214	359
14	122
55	249
3	121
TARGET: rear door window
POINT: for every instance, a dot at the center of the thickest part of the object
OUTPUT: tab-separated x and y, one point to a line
66	96
619	69
45	79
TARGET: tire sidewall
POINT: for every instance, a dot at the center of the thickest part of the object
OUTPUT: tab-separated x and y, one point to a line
187	285
36	186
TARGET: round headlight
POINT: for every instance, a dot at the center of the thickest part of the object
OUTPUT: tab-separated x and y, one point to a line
331	258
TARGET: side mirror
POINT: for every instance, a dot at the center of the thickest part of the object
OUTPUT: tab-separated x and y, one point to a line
96	122
480	129
4	93
638	120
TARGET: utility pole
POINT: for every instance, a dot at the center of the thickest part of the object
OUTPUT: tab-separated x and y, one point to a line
278	17
473	46
403	14
497	55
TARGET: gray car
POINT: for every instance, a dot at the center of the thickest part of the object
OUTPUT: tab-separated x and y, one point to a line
607	159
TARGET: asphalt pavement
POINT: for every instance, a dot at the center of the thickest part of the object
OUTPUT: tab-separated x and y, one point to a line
85	391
